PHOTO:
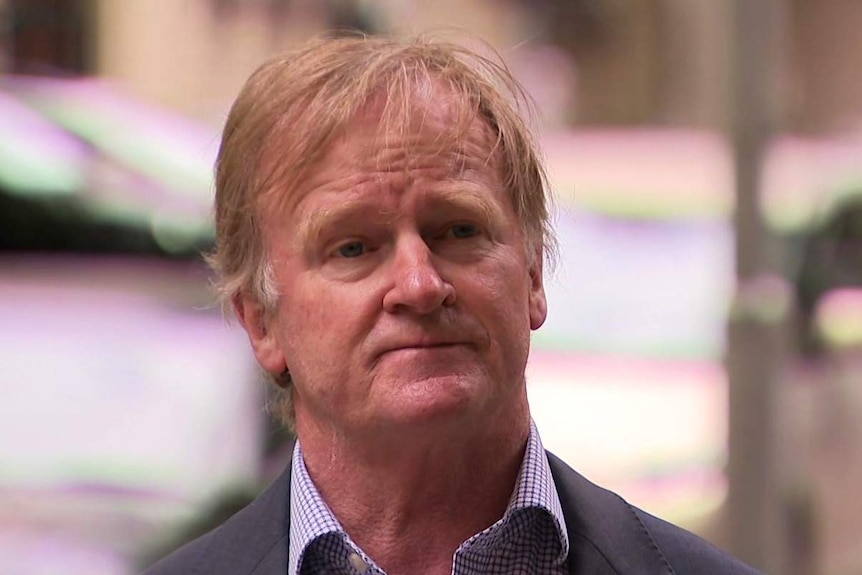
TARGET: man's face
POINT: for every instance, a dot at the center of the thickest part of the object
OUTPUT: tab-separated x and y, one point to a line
407	294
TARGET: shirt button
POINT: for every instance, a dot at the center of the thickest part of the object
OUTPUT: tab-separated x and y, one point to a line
358	562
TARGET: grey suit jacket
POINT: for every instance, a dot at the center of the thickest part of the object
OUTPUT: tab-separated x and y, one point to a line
607	536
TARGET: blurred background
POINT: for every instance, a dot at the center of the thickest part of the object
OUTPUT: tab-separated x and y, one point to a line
703	354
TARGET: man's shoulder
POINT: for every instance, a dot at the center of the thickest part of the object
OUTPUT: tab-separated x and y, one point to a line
612	536
188	559
688	553
251	541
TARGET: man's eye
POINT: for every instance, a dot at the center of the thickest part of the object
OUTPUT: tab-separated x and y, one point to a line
462	231
352	249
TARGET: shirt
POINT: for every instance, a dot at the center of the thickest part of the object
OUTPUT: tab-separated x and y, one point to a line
531	536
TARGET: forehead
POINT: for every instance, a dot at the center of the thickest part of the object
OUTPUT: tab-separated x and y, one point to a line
431	125
426	118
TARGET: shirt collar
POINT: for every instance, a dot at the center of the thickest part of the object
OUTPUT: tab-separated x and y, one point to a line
311	517
535	488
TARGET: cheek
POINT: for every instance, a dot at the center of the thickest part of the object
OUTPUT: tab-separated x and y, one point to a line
508	282
323	323
501	294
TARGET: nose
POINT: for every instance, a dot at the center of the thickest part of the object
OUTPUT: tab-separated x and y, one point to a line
416	284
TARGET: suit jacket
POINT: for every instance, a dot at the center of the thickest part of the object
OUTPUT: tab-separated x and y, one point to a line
607	536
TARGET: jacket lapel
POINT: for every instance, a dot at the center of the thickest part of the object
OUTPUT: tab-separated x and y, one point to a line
254	541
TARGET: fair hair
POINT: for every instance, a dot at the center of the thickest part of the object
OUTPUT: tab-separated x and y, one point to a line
303	98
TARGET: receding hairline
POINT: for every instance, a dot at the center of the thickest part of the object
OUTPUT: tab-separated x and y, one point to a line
463	124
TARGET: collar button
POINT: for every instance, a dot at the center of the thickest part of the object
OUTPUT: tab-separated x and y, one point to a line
357	562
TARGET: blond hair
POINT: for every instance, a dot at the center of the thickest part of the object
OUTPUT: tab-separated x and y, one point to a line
303	98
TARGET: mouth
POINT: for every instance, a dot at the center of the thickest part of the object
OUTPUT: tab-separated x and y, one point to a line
419	347
442	345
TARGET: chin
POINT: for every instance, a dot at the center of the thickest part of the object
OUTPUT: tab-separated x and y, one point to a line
435	399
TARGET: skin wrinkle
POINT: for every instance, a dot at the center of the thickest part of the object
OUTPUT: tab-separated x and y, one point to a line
404	156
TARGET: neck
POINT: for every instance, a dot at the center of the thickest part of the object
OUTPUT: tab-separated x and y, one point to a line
410	497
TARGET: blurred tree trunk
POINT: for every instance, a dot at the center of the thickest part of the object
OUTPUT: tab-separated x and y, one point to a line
759	313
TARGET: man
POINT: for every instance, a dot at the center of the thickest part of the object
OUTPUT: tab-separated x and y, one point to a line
382	224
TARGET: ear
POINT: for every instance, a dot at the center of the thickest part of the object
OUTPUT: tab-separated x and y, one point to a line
260	327
537	303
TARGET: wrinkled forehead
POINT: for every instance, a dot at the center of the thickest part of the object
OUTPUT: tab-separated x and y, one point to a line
426	112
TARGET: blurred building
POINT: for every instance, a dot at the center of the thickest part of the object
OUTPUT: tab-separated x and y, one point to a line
638	61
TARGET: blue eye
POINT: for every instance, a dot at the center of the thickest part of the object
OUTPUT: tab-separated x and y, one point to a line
352	249
463	231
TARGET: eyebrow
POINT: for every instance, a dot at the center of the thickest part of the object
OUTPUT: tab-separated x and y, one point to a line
311	228
461	195
467	196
